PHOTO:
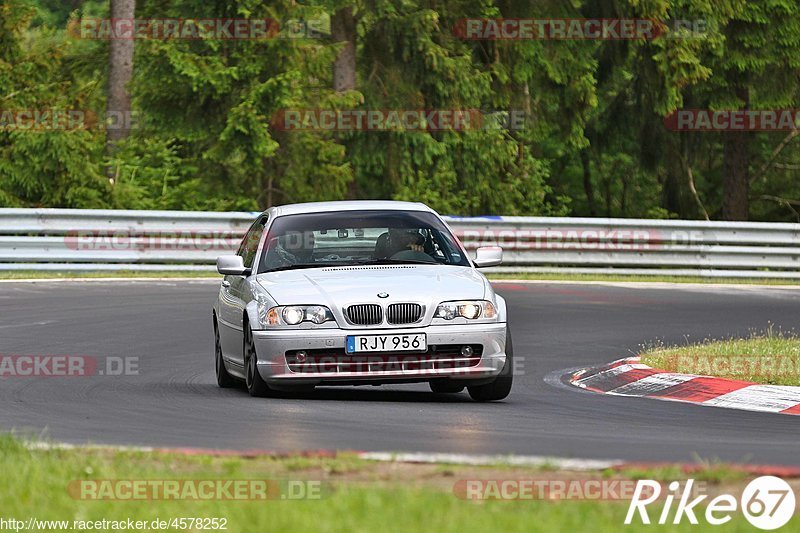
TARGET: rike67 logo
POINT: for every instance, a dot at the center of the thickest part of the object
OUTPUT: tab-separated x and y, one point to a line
767	502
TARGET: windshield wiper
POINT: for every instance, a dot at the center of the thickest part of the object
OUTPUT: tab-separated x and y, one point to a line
396	262
299	266
322	264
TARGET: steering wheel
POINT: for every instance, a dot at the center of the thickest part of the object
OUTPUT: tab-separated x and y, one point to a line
412	255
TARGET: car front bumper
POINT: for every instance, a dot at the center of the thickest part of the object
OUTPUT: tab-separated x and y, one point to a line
272	346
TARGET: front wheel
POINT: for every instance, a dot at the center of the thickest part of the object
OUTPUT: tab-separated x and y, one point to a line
501	386
256	385
224	379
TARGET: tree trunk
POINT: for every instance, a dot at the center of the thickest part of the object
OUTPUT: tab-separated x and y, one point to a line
343	29
736	175
736	168
120	72
679	193
587	183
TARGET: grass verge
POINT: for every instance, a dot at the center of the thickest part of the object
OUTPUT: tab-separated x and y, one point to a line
770	357
357	495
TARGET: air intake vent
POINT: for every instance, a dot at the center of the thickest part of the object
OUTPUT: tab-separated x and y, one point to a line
404	313
365	314
382	267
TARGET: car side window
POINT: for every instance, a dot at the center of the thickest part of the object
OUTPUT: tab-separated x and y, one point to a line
249	247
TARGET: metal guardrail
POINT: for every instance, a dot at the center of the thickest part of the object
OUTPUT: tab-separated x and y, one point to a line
77	239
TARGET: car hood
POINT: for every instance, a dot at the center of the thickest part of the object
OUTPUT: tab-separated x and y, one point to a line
341	286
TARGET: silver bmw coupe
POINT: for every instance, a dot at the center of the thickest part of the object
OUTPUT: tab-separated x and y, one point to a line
359	293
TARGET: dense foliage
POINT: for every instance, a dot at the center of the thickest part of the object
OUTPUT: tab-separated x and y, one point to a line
594	142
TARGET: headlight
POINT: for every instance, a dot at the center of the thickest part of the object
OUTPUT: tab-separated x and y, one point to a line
291	315
470	309
318	314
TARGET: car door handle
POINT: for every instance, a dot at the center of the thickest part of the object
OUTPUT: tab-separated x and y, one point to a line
226	283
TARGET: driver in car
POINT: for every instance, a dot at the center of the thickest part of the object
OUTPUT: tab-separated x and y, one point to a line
398	240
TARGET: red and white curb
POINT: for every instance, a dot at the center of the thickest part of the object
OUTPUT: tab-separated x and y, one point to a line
629	377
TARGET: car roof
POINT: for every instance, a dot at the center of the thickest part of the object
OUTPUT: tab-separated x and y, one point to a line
347	205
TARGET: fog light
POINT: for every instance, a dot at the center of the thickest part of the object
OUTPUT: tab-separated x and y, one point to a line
301	356
466	351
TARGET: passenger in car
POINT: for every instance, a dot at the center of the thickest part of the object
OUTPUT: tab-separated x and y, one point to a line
292	249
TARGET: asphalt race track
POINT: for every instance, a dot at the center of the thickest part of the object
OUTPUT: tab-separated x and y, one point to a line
174	401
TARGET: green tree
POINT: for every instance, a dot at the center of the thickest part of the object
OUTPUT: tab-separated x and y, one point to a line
55	162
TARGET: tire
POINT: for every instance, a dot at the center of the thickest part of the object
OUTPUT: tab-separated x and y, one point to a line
256	385
501	386
445	386
224	379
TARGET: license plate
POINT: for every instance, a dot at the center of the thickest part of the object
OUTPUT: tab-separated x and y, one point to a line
387	343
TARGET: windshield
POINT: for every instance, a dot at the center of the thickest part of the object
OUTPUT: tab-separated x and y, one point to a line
358	237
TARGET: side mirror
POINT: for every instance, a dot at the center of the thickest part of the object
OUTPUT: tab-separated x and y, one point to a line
232	265
488	256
